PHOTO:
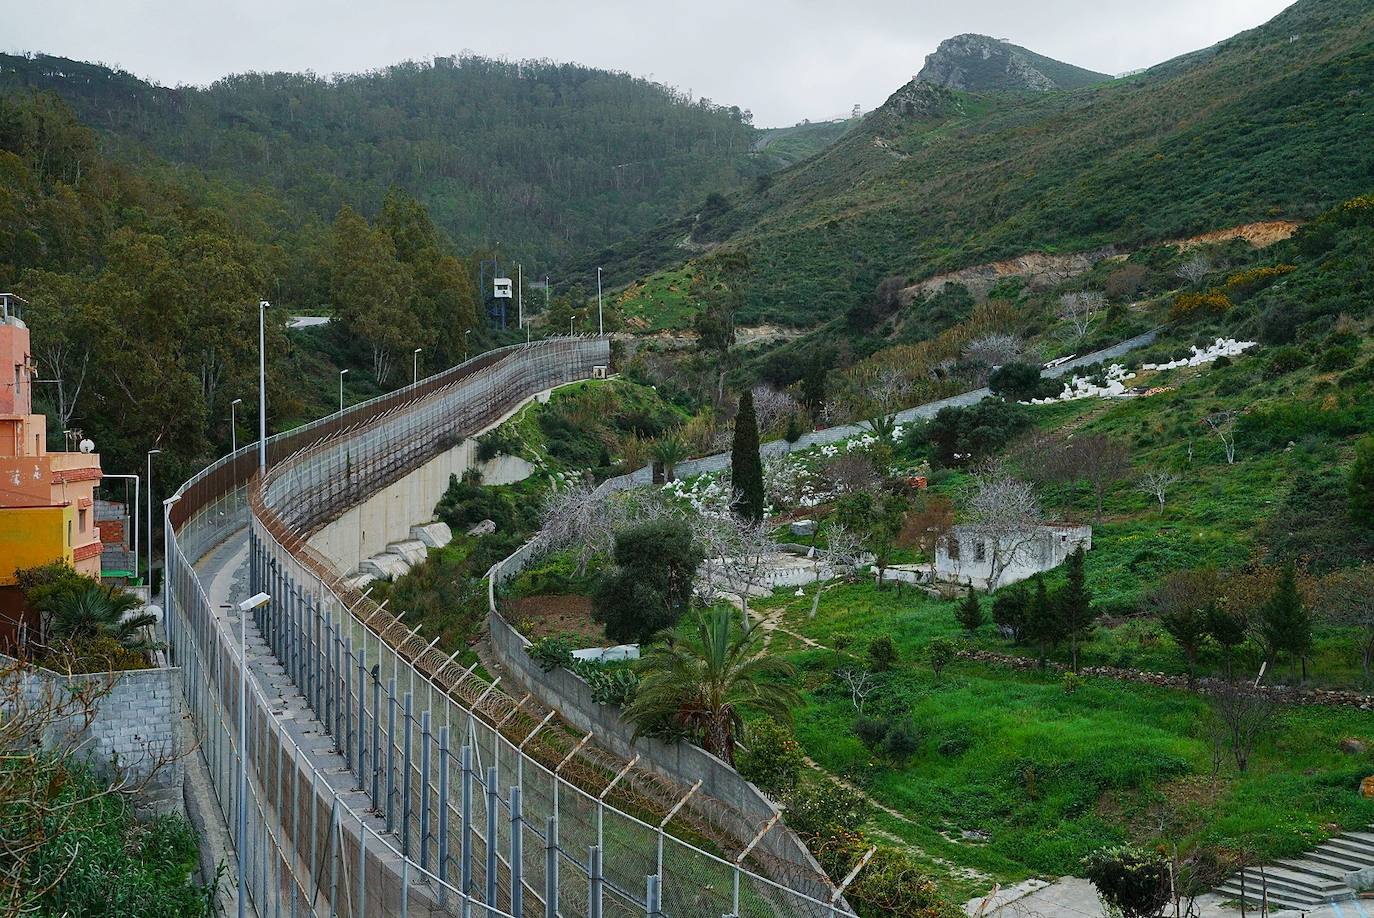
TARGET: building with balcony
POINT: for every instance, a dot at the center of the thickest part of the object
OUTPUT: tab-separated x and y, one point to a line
47	499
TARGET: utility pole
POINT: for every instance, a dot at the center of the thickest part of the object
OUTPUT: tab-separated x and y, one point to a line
234	426
600	328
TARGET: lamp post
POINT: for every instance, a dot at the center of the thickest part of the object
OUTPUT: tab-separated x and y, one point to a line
415	365
466	332
151	453
248	605
262	386
234	426
342	374
520	294
600	328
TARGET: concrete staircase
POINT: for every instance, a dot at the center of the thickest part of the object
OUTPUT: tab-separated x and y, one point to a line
1320	876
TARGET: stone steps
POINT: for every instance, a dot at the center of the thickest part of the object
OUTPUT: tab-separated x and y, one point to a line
1316	878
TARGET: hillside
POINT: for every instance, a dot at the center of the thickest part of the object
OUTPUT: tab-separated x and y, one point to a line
977	63
544	159
939	179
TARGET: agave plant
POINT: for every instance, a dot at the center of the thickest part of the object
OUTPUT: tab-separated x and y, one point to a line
97	611
705	683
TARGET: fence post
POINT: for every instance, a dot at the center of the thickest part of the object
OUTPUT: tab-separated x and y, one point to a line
362	720
328	676
391	754
517	853
346	737
405	775
376	734
465	841
551	867
594	882
424	790
652	892
362	869
443	812
493	838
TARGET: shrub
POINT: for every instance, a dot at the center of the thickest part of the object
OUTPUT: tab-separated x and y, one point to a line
970	612
551	653
1071	682
1131	881
1009	612
963	436
651	584
842	640
1189	305
501	441
610	685
871	731
1021	382
773	759
882	653
1362	484
816	808
1247	282
902	739
1336	358
1285	360
940	652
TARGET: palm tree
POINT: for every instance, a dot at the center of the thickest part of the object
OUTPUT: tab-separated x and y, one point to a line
98	611
704	684
669	451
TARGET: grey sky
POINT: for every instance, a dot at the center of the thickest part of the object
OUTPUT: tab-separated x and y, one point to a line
784	59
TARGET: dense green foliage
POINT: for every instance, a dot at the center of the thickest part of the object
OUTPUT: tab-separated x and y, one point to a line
92	859
651	584
937	180
549	159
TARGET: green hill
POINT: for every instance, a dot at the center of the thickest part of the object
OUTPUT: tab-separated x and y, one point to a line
1273	122
978	63
546	159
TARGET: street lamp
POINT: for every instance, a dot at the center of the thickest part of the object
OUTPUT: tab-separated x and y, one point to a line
151	453
466	332
600	328
234	426
415	365
262	386
248	605
342	374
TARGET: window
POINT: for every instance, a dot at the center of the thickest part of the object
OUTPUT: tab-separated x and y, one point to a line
952	546
81	518
980	551
69	534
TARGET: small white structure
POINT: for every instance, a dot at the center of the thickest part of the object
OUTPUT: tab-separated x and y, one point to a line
970	555
501	288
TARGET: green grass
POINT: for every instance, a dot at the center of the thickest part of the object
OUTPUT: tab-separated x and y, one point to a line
1049	775
661	302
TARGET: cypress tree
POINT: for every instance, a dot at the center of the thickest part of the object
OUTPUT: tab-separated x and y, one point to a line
1075	604
970	613
1286	623
746	468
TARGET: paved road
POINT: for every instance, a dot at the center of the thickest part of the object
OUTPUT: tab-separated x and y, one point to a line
1074	897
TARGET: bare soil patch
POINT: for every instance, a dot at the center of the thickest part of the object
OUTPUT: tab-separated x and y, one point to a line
548	616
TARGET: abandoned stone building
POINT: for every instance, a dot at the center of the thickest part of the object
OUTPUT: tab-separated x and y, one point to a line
969	554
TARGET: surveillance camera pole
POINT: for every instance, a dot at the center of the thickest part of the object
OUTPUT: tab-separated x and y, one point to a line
248	605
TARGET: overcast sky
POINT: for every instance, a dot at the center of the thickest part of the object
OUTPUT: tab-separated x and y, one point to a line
783	59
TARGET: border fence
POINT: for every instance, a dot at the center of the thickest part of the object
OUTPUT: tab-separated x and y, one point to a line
383	777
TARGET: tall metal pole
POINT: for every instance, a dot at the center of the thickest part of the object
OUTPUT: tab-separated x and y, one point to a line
520	294
151	453
600	328
415	365
262	386
546	293
245	607
234	426
342	374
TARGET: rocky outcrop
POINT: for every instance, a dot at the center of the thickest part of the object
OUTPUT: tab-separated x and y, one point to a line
977	63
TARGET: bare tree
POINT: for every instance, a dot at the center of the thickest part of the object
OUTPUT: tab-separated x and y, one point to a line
995	349
860	683
927	525
772	407
1242	714
576	517
1004	512
1346	597
843	554
1223	425
1079	309
852	473
737	551
1102	462
880	396
784	482
1195	269
1157	485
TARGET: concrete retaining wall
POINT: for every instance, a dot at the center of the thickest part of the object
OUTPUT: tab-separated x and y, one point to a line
134	723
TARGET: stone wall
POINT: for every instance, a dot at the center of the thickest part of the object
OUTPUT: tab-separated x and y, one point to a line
134	723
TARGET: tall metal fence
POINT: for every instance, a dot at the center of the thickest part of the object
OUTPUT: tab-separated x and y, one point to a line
400	712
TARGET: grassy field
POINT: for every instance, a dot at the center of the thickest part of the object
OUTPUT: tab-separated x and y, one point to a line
1046	776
